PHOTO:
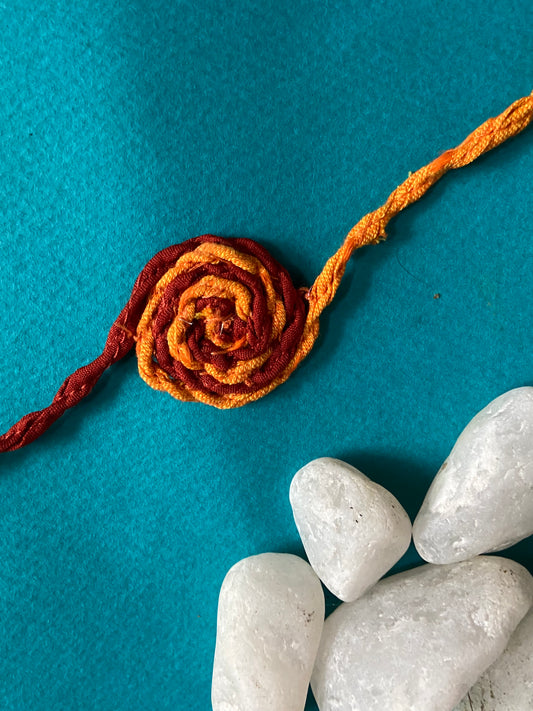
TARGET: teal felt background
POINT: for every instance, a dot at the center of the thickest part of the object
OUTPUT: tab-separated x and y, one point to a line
127	126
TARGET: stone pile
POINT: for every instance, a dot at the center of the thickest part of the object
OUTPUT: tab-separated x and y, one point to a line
454	634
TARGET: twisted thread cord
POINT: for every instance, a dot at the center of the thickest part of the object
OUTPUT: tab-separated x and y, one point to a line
195	296
371	228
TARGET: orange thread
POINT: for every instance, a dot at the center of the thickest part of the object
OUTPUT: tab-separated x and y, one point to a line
370	229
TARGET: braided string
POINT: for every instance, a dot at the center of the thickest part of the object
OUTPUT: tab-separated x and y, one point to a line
219	321
371	228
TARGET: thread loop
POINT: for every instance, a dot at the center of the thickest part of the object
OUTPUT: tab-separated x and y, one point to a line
219	321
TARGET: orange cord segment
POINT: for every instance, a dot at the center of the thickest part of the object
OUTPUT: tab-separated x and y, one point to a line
371	228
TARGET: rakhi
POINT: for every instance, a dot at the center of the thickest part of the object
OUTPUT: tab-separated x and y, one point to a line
219	321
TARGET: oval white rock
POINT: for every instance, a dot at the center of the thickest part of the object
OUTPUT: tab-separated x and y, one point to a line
270	617
508	684
353	530
481	500
419	640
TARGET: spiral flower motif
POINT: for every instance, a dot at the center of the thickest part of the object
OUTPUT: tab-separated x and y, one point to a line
221	325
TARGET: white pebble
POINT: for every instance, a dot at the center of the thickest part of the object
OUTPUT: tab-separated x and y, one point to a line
353	530
481	500
270	617
508	684
418	640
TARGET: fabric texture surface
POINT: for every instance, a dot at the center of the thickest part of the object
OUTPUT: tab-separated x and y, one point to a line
129	127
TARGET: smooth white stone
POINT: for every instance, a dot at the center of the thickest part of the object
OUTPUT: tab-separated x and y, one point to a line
270	617
481	500
418	640
353	530
508	684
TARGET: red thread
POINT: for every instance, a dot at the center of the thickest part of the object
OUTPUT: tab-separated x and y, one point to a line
122	335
